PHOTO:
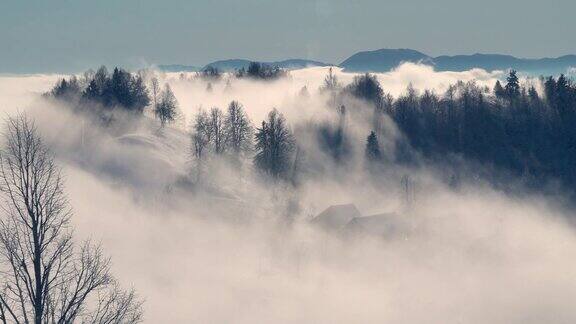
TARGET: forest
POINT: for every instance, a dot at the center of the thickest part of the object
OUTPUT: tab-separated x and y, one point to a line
512	132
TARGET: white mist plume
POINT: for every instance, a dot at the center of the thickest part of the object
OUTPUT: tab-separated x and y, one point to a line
260	97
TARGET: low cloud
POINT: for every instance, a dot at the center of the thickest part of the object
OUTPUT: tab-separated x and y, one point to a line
475	255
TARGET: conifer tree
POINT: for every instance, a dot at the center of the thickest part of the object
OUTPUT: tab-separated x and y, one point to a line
372	150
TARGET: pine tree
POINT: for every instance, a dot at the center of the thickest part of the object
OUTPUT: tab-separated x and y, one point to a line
138	93
367	87
563	95
119	89
499	91
550	90
513	85
533	94
372	150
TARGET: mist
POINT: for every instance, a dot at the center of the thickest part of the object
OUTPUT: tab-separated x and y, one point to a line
229	252
282	93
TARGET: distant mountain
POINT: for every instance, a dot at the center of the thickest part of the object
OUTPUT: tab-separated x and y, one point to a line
491	62
291	64
228	65
178	68
384	60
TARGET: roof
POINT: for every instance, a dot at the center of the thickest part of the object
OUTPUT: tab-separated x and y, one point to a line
336	217
385	224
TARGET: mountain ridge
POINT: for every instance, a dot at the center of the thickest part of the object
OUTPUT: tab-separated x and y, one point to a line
386	59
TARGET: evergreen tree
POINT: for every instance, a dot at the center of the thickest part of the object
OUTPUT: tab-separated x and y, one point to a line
563	93
119	88
125	90
68	90
211	73
512	85
499	91
138	93
96	86
261	71
92	92
372	151
533	94
550	90
366	87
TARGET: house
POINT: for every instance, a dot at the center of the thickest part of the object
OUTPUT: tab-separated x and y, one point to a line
385	225
346	220
336	217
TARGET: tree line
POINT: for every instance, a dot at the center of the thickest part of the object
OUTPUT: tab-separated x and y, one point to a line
525	129
230	135
511	127
101	93
130	93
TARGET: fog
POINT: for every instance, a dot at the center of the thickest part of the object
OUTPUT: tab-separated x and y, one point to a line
230	254
281	94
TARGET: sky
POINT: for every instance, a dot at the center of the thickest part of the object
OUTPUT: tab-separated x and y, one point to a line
73	35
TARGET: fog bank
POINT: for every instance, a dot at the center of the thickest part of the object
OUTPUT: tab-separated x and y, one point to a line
472	255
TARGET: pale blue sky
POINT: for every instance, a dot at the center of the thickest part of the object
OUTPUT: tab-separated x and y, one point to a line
71	35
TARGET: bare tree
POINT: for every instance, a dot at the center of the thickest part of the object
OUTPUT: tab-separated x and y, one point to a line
274	146
155	87
238	129
43	277
201	136
165	109
330	82
217	131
